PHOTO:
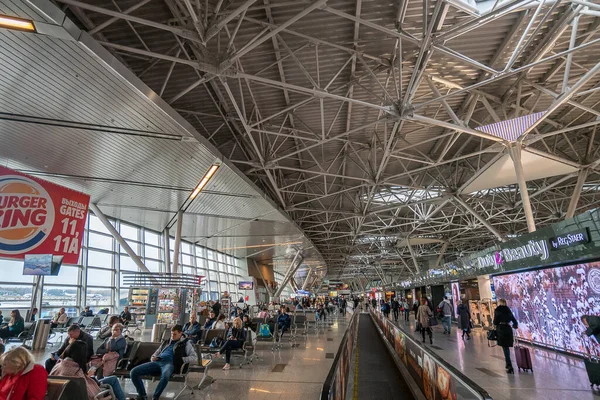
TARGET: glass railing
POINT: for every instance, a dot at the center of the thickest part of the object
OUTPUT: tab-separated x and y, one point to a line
336	383
436	378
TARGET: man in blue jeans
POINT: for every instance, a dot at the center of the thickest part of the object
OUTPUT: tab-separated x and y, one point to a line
170	357
446	311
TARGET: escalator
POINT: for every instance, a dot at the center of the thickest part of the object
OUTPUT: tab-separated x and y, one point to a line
378	376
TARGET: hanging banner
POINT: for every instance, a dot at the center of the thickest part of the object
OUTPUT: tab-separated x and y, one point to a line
39	217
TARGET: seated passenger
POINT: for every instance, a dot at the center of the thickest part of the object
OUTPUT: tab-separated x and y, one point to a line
74	333
248	324
103	311
22	378
212	318
284	321
33	315
74	364
219	323
15	326
125	316
168	358
109	352
60	318
87	312
1	317
106	332
264	313
235	340
191	330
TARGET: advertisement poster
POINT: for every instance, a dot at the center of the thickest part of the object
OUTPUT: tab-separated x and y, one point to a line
455	297
433	379
549	304
39	217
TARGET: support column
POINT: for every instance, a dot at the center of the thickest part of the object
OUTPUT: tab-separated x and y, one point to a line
305	284
441	256
289	274
118	237
167	251
515	154
583	173
177	242
412	254
262	277
483	221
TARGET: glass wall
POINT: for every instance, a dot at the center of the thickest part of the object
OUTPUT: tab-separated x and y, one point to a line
97	281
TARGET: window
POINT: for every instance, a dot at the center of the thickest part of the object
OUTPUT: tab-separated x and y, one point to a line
99	277
69	275
151	238
100	259
100	241
152	265
129	232
96	225
152	252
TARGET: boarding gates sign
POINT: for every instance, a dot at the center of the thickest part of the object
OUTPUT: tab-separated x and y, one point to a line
39	217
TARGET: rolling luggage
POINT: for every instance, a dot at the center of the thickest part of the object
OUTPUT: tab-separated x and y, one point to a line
592	367
523	357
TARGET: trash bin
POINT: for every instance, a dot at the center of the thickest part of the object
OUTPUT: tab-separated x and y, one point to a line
158	331
40	334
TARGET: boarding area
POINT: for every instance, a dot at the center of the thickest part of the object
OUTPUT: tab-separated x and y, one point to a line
316	199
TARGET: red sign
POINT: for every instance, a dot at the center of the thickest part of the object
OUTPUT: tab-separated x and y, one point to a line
39	217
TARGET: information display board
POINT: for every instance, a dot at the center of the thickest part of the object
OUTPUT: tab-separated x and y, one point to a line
39	217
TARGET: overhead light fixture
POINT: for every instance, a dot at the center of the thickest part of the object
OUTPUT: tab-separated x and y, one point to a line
18	24
204	181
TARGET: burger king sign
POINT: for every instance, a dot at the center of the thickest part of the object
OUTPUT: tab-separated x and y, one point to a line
39	217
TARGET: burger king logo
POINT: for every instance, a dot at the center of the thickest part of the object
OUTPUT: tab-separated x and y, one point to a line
26	214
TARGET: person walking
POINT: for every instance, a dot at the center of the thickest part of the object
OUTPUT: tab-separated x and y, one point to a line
464	320
503	317
406	309
395	308
446	313
422	317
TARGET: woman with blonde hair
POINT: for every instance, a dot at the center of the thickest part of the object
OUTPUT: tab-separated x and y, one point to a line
235	340
503	316
22	378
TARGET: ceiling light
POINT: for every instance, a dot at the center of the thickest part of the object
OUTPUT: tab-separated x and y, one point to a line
209	174
16	23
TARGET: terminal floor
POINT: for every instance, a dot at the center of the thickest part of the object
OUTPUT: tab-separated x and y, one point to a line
291	373
555	376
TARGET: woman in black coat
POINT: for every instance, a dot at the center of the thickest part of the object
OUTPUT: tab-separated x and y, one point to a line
502	319
464	320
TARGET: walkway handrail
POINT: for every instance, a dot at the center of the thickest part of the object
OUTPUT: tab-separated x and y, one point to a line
341	361
427	368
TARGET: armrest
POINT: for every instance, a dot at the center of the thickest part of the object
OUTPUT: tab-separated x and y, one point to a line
122	363
184	369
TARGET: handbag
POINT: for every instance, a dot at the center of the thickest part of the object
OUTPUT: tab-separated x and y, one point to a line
216	342
492	335
433	321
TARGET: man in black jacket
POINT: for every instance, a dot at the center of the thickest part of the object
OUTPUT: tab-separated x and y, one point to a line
167	359
125	316
74	333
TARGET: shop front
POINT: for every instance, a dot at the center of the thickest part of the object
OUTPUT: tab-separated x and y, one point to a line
550	279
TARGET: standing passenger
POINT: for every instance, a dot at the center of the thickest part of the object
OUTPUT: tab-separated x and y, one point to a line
464	320
422	317
446	311
503	316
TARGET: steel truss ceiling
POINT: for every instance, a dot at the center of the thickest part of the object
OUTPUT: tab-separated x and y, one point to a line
359	117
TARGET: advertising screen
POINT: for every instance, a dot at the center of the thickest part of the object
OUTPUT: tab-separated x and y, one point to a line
455	297
37	264
549	304
246	285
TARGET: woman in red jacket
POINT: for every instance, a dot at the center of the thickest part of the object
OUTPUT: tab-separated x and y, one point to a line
22	378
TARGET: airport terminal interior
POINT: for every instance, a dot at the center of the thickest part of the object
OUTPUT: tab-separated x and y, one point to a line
299	199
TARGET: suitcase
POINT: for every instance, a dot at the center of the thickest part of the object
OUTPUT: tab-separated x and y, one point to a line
593	370
523	356
592	367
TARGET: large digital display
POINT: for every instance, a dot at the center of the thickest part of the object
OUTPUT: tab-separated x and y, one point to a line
549	304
